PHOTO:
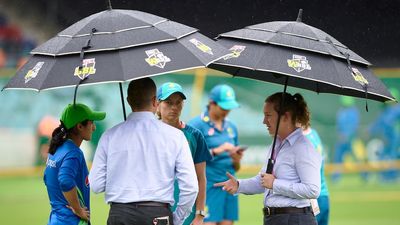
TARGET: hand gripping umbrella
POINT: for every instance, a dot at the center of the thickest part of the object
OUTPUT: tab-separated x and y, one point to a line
298	55
115	46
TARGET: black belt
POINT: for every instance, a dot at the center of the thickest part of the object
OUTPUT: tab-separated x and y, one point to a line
268	211
143	204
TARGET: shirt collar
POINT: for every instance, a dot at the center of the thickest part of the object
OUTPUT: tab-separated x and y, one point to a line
141	115
292	138
205	117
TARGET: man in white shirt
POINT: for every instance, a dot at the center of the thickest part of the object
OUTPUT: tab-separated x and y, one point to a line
137	161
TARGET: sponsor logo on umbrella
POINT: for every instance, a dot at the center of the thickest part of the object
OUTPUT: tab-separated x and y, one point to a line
201	46
156	58
33	72
87	68
299	63
236	50
357	75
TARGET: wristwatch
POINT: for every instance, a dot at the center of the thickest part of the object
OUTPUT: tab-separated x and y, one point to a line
201	213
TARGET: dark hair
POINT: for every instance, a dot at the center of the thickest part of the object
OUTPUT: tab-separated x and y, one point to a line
140	92
295	104
60	135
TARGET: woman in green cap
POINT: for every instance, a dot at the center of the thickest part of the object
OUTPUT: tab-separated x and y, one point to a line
66	173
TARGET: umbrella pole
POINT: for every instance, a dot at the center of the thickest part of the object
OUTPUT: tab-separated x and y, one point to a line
271	160
122	100
76	89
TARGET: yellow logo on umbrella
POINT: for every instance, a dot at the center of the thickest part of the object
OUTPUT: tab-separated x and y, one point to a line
357	75
236	50
87	68
33	72
156	58
204	48
299	63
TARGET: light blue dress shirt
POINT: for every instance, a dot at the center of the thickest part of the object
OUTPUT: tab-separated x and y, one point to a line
297	172
138	160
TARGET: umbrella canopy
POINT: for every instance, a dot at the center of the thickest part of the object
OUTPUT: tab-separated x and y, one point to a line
308	70
298	55
294	34
115	46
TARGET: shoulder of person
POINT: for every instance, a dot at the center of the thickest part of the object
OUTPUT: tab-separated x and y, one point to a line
230	123
193	129
195	121
168	128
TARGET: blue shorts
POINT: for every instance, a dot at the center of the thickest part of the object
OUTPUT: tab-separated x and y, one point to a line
323	216
221	205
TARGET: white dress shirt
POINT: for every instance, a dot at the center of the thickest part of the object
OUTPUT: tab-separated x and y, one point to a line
138	160
297	172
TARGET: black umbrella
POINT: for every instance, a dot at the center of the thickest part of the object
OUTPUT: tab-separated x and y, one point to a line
298	55
115	46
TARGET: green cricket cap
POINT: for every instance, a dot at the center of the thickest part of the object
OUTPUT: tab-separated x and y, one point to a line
77	113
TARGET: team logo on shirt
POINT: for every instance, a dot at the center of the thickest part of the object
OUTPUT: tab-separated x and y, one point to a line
211	131
230	132
51	163
87	181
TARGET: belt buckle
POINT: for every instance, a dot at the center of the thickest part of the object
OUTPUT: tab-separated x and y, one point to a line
267	212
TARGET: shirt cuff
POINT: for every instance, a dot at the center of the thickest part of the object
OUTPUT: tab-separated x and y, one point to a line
177	219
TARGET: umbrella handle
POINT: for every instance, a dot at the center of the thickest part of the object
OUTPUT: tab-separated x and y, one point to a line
270	166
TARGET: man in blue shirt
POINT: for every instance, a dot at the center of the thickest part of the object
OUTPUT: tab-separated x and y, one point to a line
171	99
222	139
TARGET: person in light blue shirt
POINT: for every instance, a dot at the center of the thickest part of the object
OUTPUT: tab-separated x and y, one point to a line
323	199
222	139
387	127
347	123
296	173
171	99
66	173
137	162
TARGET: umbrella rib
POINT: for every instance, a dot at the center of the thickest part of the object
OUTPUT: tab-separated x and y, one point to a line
167	72
103	32
295	47
233	65
104	49
296	35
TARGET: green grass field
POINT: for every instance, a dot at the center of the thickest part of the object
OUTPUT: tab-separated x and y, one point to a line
23	201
